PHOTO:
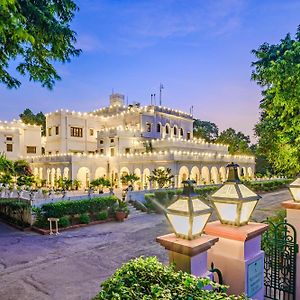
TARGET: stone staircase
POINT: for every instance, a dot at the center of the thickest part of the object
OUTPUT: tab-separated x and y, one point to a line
134	212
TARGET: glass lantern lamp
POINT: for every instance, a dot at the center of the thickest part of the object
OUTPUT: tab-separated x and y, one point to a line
294	188
234	202
188	215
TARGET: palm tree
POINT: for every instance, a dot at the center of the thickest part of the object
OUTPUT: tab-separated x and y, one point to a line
129	179
163	177
100	183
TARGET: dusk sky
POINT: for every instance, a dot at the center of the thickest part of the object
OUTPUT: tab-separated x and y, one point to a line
199	50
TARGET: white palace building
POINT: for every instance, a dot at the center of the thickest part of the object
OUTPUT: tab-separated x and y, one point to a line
116	140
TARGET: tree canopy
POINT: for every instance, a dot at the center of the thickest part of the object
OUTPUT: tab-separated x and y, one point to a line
205	130
28	117
277	71
237	141
35	34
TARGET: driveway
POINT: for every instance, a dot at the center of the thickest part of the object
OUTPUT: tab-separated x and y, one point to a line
72	265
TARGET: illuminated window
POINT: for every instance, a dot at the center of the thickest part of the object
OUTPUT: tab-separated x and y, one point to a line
31	149
76	131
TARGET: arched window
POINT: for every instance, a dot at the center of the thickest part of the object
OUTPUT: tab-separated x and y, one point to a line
167	129
188	136
181	131
175	130
148	127
158	127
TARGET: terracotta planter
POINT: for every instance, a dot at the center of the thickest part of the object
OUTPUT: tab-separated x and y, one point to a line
120	216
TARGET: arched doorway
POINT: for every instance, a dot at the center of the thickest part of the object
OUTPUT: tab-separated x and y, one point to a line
83	175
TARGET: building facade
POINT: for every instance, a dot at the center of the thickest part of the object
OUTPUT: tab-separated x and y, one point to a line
19	140
120	139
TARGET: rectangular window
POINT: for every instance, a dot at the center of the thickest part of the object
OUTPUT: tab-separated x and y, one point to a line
127	150
49	131
101	142
101	151
91	131
76	131
112	151
49	152
9	138
31	149
56	130
112	140
188	136
9	147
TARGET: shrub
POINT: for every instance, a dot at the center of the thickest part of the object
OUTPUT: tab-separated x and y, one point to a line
84	219
64	222
103	215
13	210
74	207
270	185
147	278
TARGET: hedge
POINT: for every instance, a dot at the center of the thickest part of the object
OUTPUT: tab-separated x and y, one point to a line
266	186
86	209
14	211
78	207
148	279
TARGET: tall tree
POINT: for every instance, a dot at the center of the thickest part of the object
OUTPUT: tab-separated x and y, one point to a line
35	34
277	71
28	117
205	130
237	141
162	177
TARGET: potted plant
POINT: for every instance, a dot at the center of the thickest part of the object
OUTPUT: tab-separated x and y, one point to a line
121	211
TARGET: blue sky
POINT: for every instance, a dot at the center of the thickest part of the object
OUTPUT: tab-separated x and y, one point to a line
200	51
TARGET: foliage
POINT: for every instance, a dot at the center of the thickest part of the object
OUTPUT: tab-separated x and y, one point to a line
147	279
129	178
21	168
74	207
64	222
163	177
100	183
205	130
277	71
122	207
6	165
238	142
268	185
76	184
25	180
36	34
84	219
103	215
28	117
13	210
6	179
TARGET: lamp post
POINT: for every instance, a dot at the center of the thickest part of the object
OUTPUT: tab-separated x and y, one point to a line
234	202
239	245
188	215
187	246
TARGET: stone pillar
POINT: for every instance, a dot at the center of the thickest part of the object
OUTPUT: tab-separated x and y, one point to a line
239	257
188	255
293	218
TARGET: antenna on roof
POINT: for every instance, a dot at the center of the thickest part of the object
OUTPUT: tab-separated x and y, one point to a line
161	87
154	99
151	98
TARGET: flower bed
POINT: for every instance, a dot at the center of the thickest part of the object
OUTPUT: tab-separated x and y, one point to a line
147	278
76	212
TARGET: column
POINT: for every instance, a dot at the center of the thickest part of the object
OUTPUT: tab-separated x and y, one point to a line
239	257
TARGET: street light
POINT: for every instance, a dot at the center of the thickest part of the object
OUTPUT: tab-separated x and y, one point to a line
188	215
294	188
234	202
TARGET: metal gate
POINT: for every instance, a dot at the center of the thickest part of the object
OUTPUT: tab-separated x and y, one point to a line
280	246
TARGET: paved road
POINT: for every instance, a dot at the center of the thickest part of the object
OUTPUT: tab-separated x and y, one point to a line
72	265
